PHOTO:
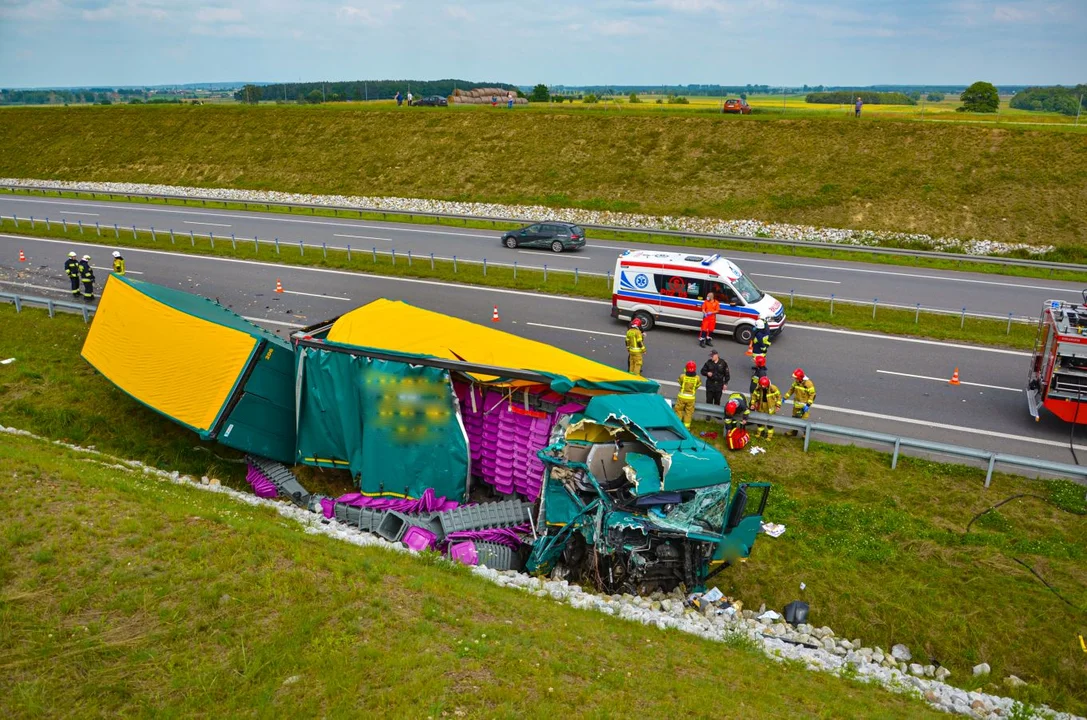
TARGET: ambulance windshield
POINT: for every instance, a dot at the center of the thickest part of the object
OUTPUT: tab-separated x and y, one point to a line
747	289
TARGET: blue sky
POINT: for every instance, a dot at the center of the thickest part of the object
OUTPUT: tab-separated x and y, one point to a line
831	42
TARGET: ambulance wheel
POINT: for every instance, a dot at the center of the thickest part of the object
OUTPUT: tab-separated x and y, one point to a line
743	334
645	318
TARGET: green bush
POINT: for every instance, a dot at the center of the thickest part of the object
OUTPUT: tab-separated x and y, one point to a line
934	96
540	93
589	99
678	100
1051	99
634	98
868	97
981	97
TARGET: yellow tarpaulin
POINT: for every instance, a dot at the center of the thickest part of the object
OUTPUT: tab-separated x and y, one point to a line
177	364
403	328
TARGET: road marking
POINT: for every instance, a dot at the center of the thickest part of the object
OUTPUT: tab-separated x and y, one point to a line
363	237
273	322
786	277
74	212
193	222
109	270
551	254
919	341
945	382
323	297
35	287
587	332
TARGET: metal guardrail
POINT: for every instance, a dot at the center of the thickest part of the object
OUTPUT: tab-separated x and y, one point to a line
51	305
576	272
1078	473
877	250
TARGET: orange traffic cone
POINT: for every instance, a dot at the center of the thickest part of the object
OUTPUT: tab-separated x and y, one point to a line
279	286
750	349
494	315
954	378
22	256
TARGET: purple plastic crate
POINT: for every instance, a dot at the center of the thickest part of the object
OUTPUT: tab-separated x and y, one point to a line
464	552
418	538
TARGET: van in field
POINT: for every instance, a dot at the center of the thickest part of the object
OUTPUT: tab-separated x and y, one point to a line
667	288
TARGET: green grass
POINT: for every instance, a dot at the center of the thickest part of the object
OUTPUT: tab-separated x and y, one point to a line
931	325
883	552
946	179
716	244
124	595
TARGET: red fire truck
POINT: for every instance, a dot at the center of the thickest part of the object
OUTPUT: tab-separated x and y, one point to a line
1058	369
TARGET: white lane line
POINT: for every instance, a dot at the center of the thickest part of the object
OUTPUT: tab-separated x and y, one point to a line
787	277
806	266
363	237
323	297
553	254
109	270
944	381
272	322
919	341
498	291
193	222
36	287
74	212
587	332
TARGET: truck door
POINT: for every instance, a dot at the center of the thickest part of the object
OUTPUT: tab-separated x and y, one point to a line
1041	366
743	520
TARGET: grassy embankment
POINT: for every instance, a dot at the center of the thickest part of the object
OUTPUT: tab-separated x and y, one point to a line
894	321
945	179
715	244
884	555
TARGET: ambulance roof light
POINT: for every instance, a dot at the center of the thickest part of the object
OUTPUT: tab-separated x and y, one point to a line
711	260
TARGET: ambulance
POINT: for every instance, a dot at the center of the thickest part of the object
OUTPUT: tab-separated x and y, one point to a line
667	288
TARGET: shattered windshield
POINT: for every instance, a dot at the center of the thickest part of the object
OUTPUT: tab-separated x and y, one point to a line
706	510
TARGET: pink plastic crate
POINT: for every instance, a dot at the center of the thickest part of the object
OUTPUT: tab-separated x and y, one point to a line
418	538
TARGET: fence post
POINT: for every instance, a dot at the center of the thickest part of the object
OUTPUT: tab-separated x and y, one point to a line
894	456
171	236
192	238
791	297
962	320
133	232
301	249
324	250
454	264
393	255
154	238
1009	332
18	304
609	279
409	258
575	276
98	228
211	236
431	261
47	224
874	301
348	253
832	304
17	221
374	251
989	472
64	222
80	226
545	272
277	246
514	269
256	245
484	267
233	242
917	314
116	231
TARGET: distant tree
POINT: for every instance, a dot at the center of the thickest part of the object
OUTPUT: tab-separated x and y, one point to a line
540	93
634	98
678	100
981	97
743	96
315	97
915	95
934	96
249	94
589	99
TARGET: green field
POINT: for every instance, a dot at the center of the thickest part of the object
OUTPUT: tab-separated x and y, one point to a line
884	554
961	180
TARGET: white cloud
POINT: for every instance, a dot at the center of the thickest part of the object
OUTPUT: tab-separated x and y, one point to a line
620	27
218	15
374	16
457	12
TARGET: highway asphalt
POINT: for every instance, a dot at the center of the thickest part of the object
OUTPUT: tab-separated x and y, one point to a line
868	381
777	274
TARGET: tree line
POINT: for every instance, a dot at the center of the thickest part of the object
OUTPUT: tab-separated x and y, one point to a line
842	97
316	92
1064	100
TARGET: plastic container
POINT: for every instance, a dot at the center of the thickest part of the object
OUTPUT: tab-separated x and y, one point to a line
393	526
464	552
418	538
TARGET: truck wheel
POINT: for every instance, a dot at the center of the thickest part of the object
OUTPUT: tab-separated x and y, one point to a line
646	318
743	334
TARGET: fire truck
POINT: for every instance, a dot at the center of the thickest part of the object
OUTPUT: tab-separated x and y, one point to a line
1058	368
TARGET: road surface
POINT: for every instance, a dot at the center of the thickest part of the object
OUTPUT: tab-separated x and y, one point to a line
778	274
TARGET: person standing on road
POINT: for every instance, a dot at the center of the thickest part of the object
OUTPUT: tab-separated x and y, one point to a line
803	394
71	269
716	371
710	306
86	276
857	107
635	347
689	382
760	344
118	263
765	398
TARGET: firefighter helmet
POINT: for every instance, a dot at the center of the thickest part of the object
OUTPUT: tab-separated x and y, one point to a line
760	361
730	406
691	367
764	382
116	253
799	374
636	323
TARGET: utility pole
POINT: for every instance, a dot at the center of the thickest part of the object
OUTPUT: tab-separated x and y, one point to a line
923	95
1079	107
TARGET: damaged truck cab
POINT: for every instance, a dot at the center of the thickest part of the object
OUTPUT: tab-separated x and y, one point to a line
633	502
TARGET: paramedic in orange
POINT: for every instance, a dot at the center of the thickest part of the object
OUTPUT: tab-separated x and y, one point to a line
710	306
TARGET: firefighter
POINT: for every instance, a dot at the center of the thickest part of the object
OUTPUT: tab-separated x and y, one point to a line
803	394
709	320
736	411
689	382
717	376
86	276
765	398
635	347
758	371
760	344
71	269
118	263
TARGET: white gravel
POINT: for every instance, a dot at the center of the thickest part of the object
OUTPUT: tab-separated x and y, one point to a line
775	638
531	213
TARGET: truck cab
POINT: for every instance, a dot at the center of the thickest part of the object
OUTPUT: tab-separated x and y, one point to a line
1057	380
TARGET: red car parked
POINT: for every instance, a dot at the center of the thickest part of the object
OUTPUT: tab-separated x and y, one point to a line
736	105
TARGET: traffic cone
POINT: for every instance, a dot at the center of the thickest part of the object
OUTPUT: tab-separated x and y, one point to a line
954	378
494	315
750	349
279	286
22	255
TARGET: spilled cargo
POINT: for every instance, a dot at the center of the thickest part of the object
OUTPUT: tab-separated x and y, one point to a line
491	448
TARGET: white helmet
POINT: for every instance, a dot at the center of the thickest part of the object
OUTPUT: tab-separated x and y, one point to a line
760	324
71	254
86	257
116	253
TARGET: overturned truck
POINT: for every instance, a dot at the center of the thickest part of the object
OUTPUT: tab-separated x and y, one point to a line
460	438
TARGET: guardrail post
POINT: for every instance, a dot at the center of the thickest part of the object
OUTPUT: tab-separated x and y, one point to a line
545	272
98	228
917	314
211	237
49	307
18	304
1009	332
324	250
894	456
962	320
832	304
86	314
233	242
431	261
277	246
80	226
989	472
807	435
171	236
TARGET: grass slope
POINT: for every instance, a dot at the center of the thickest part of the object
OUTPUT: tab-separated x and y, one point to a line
123	595
883	552
941	178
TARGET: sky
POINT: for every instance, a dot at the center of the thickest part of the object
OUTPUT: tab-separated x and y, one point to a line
65	43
